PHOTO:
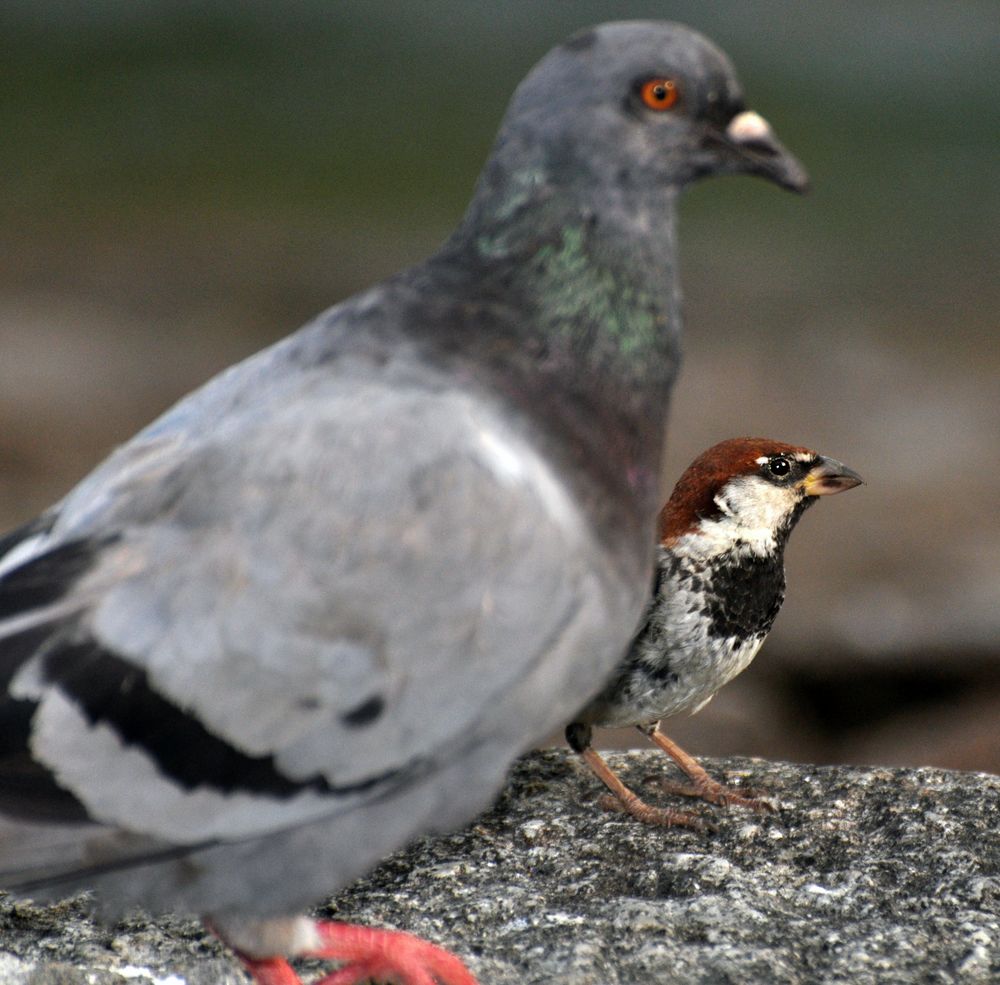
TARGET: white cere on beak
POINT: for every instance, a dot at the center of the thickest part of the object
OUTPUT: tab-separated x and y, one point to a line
748	126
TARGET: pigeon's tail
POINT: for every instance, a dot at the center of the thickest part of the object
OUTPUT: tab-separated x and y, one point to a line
38	614
23	541
46	860
48	841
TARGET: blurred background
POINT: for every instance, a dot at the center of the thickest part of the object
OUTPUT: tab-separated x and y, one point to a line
184	182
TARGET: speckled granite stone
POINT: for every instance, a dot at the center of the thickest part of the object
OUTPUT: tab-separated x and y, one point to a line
862	876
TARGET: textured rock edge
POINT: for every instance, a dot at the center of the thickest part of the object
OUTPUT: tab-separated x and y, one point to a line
861	875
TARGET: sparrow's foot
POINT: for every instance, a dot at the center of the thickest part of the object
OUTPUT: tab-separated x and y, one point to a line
369	956
660	816
715	793
702	785
624	800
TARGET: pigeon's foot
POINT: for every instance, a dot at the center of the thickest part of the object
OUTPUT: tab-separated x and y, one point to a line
368	955
270	971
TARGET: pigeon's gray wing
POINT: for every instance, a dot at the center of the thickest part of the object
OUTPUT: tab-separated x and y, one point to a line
251	621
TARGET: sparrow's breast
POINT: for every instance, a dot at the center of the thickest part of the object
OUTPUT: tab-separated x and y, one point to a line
705	624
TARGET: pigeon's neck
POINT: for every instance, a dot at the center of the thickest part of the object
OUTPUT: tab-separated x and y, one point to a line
573	315
600	281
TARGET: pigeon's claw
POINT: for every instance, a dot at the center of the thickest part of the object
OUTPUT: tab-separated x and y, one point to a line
361	973
385	956
270	971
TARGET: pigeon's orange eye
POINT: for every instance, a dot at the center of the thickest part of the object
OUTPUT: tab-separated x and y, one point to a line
659	94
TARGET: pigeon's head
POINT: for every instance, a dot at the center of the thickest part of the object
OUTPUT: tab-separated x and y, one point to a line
641	104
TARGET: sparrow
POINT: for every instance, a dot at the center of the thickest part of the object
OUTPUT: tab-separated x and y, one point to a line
316	609
718	586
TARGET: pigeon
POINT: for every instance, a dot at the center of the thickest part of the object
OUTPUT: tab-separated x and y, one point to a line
316	608
718	586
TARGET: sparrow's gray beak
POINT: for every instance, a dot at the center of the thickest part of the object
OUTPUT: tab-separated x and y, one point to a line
751	136
829	477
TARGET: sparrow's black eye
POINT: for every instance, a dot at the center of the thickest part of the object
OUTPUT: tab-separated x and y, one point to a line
779	466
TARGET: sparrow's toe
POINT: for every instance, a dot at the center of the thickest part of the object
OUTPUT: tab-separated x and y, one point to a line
662	817
716	793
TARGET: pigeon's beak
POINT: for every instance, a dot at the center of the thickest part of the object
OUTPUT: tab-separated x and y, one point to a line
829	476
753	140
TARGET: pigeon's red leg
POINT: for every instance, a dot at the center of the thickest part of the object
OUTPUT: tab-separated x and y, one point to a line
270	971
363	954
385	956
369	956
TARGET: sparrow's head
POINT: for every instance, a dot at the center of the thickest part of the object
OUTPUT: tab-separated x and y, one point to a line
747	493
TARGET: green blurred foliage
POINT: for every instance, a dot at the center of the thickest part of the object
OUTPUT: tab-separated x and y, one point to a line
115	106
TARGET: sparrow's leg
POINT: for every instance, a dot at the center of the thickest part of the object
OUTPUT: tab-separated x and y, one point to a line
623	799
702	785
367	954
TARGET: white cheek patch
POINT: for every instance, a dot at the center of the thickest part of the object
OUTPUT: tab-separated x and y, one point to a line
753	511
759	509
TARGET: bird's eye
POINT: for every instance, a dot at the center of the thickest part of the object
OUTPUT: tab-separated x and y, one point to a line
659	93
779	466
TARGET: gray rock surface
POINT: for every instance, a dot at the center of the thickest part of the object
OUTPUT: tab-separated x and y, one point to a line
862	876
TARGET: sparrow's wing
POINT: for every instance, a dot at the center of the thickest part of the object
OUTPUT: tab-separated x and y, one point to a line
273	607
